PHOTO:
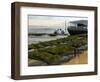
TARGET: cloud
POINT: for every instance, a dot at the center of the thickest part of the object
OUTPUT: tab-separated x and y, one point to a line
45	22
51	21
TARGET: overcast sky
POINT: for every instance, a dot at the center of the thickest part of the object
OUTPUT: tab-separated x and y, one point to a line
51	21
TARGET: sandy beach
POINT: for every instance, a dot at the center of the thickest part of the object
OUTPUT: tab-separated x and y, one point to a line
31	61
81	59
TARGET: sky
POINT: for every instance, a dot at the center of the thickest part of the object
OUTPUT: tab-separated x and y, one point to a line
51	21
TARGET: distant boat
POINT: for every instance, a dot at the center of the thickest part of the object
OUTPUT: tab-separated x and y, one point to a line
59	32
77	27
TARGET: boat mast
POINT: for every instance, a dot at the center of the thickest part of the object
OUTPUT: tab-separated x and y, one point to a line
65	26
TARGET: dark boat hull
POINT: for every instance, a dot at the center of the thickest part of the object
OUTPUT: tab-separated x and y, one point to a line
75	32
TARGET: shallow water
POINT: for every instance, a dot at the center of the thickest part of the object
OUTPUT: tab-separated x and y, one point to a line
36	39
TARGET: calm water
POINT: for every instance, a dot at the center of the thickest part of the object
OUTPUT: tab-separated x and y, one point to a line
37	39
47	30
41	30
44	29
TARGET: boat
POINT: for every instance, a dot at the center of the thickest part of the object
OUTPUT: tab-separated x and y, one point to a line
59	31
78	27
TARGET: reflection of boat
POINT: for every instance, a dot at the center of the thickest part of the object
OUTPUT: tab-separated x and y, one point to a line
77	27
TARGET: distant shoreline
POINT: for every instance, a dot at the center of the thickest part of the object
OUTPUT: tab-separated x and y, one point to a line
40	34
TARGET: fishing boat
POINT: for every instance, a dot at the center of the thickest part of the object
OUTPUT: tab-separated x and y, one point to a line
77	27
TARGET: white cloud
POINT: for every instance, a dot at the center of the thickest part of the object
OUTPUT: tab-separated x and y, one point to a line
52	21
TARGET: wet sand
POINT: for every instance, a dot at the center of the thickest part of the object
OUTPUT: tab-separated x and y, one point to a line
32	61
81	59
